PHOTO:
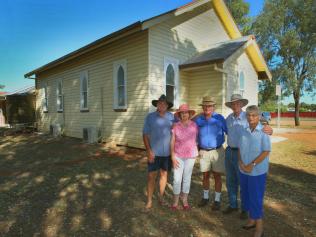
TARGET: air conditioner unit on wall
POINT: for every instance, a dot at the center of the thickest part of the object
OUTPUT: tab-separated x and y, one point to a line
55	130
89	134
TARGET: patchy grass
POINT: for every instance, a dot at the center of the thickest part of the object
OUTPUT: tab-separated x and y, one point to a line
62	187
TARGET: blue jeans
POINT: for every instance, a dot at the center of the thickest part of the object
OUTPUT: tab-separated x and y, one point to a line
232	176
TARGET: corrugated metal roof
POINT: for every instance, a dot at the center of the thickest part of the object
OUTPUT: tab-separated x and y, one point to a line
219	53
23	91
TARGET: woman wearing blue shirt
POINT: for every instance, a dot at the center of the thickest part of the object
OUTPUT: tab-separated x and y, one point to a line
254	149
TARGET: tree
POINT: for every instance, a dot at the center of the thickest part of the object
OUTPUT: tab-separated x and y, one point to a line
286	32
240	10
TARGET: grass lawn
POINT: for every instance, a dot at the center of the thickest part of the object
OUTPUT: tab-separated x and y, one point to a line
62	187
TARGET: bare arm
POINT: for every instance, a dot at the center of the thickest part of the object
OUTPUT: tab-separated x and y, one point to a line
248	168
175	163
150	153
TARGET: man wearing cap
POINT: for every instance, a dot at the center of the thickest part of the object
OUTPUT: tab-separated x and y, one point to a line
157	137
235	122
212	129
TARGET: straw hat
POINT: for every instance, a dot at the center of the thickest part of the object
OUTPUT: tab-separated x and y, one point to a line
184	108
234	98
164	99
208	100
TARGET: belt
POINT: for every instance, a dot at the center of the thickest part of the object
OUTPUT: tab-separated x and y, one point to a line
233	148
210	149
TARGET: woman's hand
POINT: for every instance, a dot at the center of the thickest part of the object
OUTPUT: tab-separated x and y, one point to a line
175	163
248	168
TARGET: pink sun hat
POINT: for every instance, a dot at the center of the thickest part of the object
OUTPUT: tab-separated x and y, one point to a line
185	108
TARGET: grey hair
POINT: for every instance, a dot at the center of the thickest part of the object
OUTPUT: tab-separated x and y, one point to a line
253	109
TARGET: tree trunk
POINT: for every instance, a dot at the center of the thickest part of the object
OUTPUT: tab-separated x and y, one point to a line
297	109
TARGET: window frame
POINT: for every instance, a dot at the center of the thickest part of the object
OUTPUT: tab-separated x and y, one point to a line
60	95
175	64
84	75
116	66
45	98
241	90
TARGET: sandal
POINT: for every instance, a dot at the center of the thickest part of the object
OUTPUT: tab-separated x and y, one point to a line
186	207
173	208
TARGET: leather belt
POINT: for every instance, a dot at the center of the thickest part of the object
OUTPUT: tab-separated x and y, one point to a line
210	149
233	148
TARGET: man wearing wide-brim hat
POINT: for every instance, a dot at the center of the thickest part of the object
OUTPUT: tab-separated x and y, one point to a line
236	121
156	137
212	129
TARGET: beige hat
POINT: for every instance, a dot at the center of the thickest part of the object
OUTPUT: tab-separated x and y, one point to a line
208	100
236	97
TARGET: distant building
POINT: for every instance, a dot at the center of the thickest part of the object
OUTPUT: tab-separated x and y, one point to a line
20	106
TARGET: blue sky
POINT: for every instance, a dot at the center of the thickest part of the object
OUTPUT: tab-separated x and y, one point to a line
35	32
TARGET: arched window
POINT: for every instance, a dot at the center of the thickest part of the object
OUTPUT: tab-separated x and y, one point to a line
170	83
84	86
59	92
120	87
241	82
120	82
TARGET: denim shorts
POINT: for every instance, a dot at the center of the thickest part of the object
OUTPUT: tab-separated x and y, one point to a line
160	162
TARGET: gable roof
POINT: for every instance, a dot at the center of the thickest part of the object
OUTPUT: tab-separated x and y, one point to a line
220	9
218	54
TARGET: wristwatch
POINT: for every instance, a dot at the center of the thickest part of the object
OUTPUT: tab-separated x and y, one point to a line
254	164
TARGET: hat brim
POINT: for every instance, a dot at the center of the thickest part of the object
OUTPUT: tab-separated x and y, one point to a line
207	103
155	102
191	112
244	102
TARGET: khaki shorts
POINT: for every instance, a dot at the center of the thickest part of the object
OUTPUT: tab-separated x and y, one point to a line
213	160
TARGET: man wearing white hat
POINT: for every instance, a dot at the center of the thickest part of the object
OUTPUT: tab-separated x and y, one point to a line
235	122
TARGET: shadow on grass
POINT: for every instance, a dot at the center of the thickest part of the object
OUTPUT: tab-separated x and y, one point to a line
62	187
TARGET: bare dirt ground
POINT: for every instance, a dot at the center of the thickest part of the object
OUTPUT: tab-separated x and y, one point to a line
63	187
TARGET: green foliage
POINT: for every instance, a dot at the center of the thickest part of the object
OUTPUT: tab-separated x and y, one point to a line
240	10
286	32
272	106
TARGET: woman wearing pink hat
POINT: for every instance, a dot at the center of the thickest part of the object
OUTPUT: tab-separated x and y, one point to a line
183	154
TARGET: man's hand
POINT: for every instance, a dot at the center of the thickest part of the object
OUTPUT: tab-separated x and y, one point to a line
151	156
267	129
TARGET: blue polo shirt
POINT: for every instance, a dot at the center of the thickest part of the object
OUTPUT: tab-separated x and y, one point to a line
159	131
211	131
234	127
251	145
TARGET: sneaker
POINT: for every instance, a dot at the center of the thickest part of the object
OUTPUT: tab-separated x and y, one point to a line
229	210
203	202
243	215
216	206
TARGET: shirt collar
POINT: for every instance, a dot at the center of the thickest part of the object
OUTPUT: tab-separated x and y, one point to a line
258	127
240	116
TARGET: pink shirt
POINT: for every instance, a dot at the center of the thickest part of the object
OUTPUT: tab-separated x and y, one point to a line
185	140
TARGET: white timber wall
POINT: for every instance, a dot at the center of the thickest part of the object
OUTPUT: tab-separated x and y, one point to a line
121	127
242	64
180	38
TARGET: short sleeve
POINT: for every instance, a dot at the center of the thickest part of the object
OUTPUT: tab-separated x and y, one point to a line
266	142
